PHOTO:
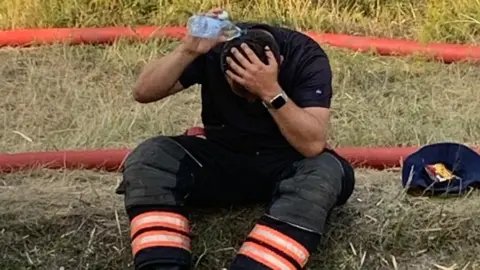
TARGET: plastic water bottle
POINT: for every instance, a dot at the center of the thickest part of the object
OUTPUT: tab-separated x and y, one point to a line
208	27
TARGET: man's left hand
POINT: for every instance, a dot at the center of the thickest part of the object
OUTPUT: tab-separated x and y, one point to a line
258	78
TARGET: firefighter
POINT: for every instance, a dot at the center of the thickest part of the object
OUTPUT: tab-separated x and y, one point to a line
266	99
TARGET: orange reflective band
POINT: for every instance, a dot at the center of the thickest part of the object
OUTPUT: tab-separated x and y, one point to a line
265	256
281	242
160	219
160	239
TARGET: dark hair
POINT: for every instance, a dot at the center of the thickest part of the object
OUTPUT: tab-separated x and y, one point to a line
257	39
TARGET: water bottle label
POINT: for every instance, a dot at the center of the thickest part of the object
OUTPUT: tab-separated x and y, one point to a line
204	26
208	27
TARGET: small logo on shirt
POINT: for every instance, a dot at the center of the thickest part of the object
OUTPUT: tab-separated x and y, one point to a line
318	92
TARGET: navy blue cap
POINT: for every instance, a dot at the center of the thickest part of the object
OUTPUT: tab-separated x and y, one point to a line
459	159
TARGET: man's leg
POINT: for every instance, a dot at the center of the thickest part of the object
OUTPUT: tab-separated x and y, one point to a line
291	229
161	176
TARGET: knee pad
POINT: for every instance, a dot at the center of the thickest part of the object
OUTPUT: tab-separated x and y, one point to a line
348	181
157	172
306	199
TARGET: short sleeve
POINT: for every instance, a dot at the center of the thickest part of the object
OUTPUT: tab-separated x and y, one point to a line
313	86
193	73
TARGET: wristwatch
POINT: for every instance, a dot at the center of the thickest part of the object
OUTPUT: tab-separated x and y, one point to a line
276	102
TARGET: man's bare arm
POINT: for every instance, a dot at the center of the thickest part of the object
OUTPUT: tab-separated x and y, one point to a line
159	78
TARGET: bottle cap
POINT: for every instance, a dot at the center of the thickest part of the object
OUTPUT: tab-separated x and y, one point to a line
223	15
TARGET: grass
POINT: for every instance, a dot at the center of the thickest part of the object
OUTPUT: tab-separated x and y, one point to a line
74	220
77	97
80	97
426	20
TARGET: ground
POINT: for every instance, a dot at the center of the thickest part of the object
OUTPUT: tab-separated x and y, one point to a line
80	97
61	97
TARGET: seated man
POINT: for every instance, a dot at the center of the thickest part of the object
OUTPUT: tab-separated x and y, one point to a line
265	108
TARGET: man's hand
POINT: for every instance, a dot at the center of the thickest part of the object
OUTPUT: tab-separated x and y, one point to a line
198	46
304	128
258	78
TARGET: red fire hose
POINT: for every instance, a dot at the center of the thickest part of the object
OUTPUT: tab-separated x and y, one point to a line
439	51
112	160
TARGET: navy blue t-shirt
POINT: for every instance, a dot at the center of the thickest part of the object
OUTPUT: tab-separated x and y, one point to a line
305	76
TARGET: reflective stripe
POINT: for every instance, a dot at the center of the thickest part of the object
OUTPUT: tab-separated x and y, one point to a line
281	242
160	239
163	219
265	256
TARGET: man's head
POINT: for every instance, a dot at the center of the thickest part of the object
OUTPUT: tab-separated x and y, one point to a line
256	39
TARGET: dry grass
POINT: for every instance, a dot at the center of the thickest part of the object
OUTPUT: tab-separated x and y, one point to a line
441	20
79	97
74	220
64	97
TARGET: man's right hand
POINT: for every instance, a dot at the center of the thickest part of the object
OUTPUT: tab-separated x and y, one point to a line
159	78
196	45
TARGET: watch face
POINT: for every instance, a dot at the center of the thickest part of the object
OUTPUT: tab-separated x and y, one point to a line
278	102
